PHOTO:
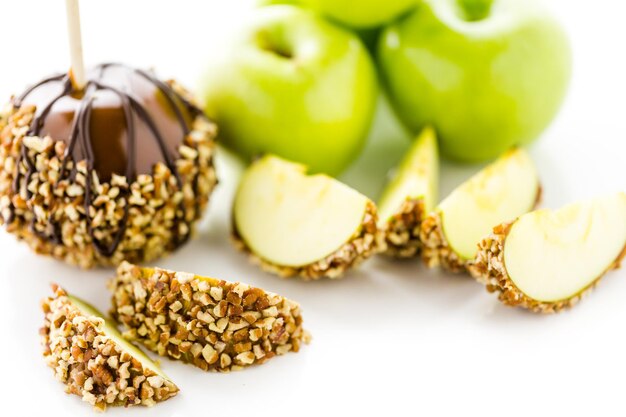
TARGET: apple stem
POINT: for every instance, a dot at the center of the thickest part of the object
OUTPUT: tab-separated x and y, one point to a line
475	9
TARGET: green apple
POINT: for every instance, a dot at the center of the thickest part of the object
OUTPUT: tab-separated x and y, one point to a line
364	14
487	74
296	86
369	37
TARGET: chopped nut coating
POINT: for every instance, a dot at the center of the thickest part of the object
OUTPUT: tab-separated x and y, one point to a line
435	250
210	323
91	363
402	231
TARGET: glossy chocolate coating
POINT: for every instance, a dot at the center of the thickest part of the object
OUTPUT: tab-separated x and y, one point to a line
108	128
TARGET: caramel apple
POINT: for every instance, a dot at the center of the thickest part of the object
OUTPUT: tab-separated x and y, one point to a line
119	170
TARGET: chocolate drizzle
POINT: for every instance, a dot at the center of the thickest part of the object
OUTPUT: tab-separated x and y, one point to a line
81	140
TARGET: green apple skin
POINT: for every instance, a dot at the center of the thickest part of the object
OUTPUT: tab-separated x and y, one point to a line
369	37
485	83
361	14
296	86
272	2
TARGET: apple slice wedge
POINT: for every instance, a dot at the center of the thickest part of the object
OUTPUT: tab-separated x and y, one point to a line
210	323
409	196
546	260
292	223
94	361
502	191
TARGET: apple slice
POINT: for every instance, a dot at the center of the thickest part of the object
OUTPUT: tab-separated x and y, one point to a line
547	260
292	223
93	360
502	191
210	323
409	196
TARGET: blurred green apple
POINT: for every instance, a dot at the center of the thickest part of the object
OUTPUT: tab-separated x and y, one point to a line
486	74
297	86
271	2
361	14
369	37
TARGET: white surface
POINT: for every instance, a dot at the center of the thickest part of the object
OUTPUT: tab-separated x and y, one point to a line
390	338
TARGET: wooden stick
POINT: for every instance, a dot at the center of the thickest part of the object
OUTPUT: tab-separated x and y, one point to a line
77	69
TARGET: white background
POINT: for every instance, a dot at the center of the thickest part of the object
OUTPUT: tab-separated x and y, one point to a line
391	338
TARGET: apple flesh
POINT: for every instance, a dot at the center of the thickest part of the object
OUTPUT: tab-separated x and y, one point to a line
552	256
486	74
409	196
365	14
500	192
547	259
297	86
417	177
292	220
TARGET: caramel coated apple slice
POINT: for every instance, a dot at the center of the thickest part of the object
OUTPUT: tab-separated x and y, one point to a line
499	193
207	322
409	196
94	361
294	224
547	260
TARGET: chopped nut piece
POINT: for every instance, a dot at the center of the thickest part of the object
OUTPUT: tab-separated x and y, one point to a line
211	342
196	349
245	358
209	354
216	293
175	306
205	317
219	326
281	350
270	312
